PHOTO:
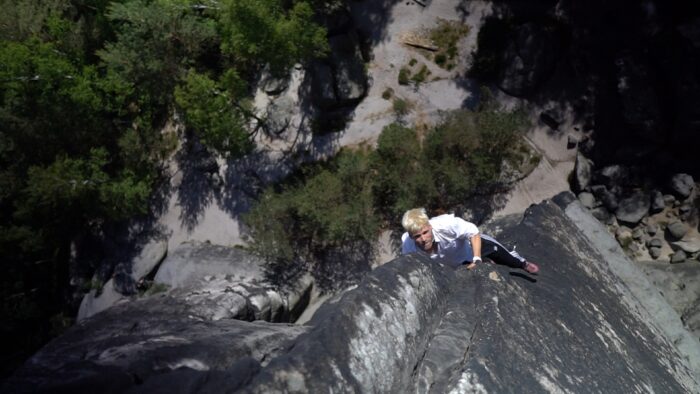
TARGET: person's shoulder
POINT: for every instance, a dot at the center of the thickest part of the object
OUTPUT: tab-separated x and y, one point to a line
445	219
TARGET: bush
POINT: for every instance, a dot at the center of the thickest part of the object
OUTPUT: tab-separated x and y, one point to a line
325	208
387	93
404	76
401	107
445	36
421	75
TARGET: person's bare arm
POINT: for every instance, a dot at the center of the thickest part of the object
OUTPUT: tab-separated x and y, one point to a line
476	248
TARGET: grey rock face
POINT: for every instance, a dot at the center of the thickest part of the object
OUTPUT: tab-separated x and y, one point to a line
682	185
279	114
95	302
632	209
529	59
153	338
340	81
150	257
192	261
413	325
657	202
582	174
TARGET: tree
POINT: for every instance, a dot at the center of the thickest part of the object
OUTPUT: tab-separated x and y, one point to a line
329	208
156	43
256	32
213	114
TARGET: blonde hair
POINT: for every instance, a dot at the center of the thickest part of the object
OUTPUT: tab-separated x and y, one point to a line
414	220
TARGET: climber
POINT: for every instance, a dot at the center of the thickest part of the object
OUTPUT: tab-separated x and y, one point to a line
455	241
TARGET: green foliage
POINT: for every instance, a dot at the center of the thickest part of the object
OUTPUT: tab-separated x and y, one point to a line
404	76
76	190
401	107
331	209
446	36
421	75
209	111
387	93
86	88
255	31
466	153
156	42
400	181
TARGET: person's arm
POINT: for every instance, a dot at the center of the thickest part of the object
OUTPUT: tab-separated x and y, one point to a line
476	248
468	231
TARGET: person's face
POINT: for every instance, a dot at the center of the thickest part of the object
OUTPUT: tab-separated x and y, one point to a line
424	238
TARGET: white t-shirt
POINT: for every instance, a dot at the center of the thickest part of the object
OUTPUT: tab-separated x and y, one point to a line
453	237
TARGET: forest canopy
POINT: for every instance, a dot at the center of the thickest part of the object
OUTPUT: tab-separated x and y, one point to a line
86	87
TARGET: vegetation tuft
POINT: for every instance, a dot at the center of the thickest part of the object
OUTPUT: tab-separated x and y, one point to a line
446	36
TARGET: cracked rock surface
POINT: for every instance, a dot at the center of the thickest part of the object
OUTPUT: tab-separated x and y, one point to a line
587	323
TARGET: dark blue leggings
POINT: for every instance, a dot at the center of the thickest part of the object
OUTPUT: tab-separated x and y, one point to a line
494	250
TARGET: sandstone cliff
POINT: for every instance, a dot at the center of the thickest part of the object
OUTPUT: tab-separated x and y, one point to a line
586	323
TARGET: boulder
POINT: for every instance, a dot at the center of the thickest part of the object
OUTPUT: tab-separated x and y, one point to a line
612	175
688	244
151	255
677	229
587	200
654	252
602	214
682	185
652	229
582	174
655	243
97	301
678	257
633	208
657	202
607	197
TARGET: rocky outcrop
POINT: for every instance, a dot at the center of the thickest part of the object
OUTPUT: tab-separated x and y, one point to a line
340	80
216	282
589	322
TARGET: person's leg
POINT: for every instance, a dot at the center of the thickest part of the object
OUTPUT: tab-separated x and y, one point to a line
494	250
500	254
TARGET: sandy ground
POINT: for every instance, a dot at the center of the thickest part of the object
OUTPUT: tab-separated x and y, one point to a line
214	221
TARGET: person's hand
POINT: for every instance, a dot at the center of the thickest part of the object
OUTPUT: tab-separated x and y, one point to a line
471	266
